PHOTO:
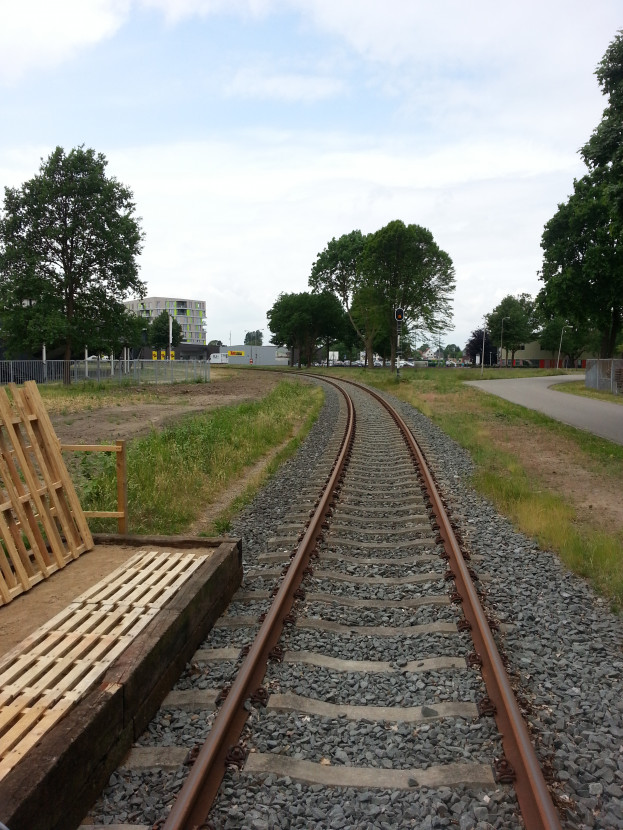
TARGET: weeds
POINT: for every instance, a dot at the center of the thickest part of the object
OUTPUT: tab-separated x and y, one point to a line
174	473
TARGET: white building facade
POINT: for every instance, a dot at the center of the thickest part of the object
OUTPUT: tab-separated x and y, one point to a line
190	314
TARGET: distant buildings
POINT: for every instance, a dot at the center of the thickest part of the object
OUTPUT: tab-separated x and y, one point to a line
190	314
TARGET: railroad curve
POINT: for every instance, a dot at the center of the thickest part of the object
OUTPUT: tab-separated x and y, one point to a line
373	685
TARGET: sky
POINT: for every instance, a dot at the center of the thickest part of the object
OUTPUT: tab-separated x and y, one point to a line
252	132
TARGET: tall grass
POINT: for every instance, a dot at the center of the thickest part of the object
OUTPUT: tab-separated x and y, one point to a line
174	473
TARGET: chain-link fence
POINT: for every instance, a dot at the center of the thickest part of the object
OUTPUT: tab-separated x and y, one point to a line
606	375
98	370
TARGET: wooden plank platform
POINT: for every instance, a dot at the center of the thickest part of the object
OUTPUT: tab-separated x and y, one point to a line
55	667
83	687
42	525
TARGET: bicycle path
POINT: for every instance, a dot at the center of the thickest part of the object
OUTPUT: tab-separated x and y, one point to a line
599	417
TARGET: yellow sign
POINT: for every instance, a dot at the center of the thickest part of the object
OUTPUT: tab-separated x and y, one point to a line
154	355
235	354
172	355
163	354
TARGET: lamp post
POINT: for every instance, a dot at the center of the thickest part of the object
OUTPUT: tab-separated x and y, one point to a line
502	338
560	344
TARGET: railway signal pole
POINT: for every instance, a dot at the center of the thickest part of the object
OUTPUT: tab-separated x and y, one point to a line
399	315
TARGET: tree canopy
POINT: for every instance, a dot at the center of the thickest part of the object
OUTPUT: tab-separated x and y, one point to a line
583	259
253	338
473	348
397	266
158	331
69	242
302	321
511	323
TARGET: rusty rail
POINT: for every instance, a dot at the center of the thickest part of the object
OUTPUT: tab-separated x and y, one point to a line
191	808
537	808
200	788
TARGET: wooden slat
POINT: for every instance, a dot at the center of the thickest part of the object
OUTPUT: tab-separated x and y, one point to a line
42	526
31	392
46	450
58	664
35	509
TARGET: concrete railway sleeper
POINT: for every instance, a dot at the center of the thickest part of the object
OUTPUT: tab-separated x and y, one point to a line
352	661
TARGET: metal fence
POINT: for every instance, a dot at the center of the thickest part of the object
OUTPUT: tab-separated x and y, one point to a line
100	371
606	375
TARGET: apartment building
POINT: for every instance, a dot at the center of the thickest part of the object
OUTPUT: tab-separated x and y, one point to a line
190	314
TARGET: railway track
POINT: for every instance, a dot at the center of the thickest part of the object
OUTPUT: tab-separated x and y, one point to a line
348	674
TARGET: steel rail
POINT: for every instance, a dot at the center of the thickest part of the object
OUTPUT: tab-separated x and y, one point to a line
537	808
192	805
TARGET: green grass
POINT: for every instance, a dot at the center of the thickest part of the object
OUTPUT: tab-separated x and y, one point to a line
578	388
174	473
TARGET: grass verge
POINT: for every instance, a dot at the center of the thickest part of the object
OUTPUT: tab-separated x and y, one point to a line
174	473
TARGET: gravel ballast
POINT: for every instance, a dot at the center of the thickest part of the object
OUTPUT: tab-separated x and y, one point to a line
562	643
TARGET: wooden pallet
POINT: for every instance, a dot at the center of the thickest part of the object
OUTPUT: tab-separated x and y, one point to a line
42	526
52	669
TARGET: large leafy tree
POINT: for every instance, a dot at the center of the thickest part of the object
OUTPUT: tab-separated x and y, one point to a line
302	321
398	266
69	242
603	151
511	323
336	270
583	260
407	269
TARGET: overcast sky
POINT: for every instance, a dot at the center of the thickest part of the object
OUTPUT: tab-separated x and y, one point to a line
251	132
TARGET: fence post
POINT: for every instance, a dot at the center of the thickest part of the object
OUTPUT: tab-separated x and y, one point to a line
122	488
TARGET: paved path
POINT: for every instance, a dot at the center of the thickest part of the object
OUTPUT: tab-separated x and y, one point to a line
599	417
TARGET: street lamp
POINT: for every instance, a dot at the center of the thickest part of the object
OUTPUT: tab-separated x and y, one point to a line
502	338
560	344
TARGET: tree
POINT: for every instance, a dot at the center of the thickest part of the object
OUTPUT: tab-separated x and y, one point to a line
300	321
452	351
473	348
603	151
582	260
217	343
68	247
405	268
253	338
398	266
574	342
158	332
511	323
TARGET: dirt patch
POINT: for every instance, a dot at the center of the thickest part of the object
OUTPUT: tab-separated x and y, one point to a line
165	404
559	467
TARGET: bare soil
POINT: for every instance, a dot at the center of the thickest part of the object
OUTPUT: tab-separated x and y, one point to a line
165	404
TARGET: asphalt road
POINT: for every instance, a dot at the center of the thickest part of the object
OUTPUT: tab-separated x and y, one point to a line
599	417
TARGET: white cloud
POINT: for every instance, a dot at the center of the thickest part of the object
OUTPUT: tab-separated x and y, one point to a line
176	10
40	33
259	85
240	220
